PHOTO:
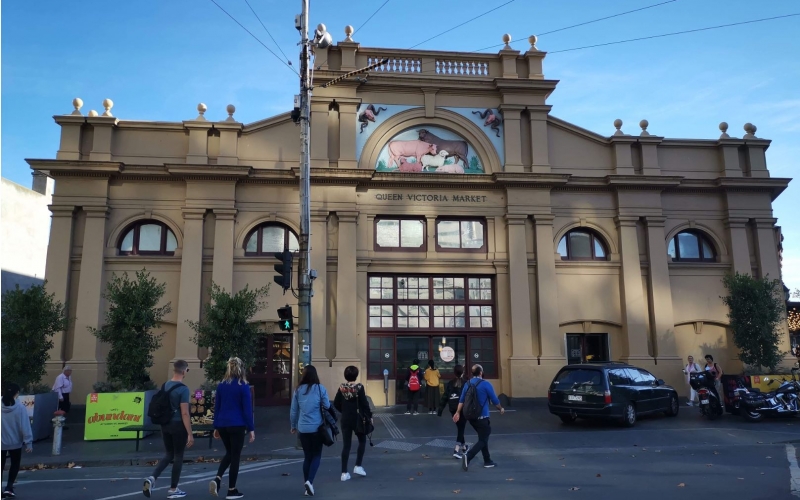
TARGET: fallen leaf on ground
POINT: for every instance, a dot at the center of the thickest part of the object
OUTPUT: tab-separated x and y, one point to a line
644	449
425	456
633	455
419	473
681	485
762	473
574	488
286	474
456	491
657	451
561	458
716	452
510	479
740	478
709	465
599	475
769	457
759	442
411	479
70	465
563	465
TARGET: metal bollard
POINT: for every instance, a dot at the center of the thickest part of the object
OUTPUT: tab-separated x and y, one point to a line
58	425
386	386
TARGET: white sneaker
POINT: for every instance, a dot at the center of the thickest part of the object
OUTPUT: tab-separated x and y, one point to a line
309	489
148	485
345	476
359	471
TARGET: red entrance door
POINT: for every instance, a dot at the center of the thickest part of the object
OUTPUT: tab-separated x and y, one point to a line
271	377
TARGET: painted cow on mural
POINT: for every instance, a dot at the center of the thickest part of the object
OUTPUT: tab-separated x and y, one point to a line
369	115
404	149
457	149
407	167
490	120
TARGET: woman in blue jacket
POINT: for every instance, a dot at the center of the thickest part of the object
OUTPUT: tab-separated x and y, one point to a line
306	416
233	413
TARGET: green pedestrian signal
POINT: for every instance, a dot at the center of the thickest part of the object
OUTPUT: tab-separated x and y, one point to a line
286	322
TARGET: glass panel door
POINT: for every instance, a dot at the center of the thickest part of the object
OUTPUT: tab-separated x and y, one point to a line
409	349
271	377
444	348
595	347
574	349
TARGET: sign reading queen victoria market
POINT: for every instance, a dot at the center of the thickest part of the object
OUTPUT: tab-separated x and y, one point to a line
453	199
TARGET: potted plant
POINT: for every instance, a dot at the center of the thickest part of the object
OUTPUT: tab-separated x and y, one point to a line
132	317
30	318
226	330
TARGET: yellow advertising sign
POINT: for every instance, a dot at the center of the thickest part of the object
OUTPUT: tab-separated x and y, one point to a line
106	413
768	383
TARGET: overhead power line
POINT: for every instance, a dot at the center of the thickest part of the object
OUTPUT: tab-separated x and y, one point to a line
289	61
583	24
256	38
460	25
676	33
370	17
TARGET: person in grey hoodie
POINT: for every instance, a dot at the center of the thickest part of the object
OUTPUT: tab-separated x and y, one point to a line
16	433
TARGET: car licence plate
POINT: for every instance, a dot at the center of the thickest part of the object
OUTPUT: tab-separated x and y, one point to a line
703	401
574	398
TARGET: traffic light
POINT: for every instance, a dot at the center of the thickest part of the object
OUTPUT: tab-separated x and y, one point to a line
284	270
286	322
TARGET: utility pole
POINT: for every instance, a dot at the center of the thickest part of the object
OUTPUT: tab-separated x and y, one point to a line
304	265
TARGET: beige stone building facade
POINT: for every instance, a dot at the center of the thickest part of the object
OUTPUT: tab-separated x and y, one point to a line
454	219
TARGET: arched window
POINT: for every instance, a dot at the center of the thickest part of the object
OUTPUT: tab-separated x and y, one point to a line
582	244
148	237
691	246
270	238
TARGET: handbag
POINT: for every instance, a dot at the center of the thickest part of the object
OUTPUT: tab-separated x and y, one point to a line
364	425
325	430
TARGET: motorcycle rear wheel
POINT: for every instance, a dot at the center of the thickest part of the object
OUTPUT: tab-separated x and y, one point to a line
751	416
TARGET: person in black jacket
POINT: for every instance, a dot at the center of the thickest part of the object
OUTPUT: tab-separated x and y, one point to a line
351	402
452	393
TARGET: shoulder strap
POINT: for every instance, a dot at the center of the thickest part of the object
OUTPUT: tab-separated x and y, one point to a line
179	384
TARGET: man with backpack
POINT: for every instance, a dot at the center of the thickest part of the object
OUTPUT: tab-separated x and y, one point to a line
474	406
170	409
414	386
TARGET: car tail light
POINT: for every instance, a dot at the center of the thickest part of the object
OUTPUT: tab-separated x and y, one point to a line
548	395
703	392
607	398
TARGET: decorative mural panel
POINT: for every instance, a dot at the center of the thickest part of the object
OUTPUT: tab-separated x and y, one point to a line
429	149
368	121
490	121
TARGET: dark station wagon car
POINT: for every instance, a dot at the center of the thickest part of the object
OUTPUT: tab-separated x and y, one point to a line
615	391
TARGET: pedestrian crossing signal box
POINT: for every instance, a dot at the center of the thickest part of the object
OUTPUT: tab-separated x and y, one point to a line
286	322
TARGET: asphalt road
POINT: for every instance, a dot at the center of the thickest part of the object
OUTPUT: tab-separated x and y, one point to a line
661	458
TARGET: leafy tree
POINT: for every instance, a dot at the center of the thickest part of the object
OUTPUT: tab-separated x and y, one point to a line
755	311
129	323
226	328
475	164
30	318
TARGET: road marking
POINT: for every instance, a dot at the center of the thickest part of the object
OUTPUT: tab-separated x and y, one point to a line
794	470
394	431
207	478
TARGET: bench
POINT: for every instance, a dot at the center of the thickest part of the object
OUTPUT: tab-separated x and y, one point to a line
140	430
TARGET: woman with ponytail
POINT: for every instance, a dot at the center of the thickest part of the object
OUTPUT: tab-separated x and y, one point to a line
16	433
233	414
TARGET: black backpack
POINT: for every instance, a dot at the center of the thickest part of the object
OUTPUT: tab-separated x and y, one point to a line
161	410
472	407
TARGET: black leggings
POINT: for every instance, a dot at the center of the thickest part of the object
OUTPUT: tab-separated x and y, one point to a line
413	400
233	439
460	426
175	438
312	452
347	440
16	458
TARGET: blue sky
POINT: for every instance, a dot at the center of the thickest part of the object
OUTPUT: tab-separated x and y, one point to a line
157	59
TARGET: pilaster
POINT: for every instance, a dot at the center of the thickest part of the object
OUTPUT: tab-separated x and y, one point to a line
346	290
622	154
87	362
57	273
729	157
511	137
319	134
347	134
71	127
547	289
198	141
539	140
660	292
648	147
191	288
767	248
222	273
522	361
740	249
508	56
229	132
319	302
634	323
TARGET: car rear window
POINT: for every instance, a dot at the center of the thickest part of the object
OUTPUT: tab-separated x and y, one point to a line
579	376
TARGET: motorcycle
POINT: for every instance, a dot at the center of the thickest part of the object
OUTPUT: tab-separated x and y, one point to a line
710	402
785	400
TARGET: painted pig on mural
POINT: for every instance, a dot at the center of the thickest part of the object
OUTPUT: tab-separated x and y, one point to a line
404	149
405	166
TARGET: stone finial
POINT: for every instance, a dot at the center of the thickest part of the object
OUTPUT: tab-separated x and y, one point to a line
532	40
618	126
723	127
201	108
231	110
107	105
507	41
348	31
644	124
77	103
750	130
93	113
